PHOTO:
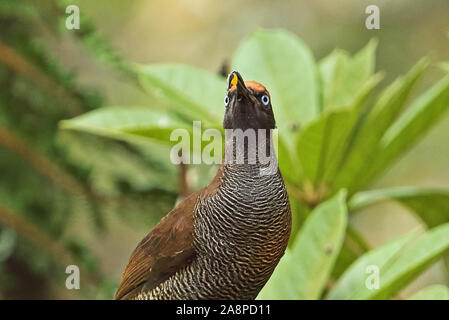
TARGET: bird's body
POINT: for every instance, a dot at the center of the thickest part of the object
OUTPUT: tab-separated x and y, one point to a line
238	248
222	242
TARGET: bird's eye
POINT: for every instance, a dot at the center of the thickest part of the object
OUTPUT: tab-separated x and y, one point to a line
265	99
226	100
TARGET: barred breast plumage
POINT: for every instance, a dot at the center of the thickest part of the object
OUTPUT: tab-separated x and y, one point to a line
240	233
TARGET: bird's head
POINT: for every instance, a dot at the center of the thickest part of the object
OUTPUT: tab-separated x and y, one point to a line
248	105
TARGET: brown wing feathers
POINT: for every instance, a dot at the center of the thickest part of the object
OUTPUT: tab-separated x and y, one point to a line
166	249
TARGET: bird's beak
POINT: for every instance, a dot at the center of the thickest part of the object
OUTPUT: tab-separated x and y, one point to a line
235	79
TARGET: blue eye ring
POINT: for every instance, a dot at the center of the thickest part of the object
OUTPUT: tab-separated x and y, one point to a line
226	100
265	99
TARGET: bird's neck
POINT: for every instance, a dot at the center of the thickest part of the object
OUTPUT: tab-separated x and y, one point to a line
251	149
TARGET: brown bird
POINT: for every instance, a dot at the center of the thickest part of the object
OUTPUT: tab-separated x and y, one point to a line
225	240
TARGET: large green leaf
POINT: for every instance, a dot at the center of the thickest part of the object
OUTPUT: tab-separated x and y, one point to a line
444	66
284	64
193	93
434	292
300	211
288	164
354	245
305	268
414	259
431	205
425	112
110	166
127	123
323	143
353	279
343	77
366	142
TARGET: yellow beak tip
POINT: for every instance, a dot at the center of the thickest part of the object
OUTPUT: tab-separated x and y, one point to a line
234	80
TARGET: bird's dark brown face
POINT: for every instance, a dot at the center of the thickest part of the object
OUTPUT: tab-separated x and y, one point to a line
248	105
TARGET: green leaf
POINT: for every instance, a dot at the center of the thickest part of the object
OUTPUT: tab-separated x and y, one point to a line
127	123
193	93
111	166
444	66
431	205
288	165
324	142
305	268
286	67
434	292
366	142
321	139
353	279
425	112
300	211
343	77
353	247
409	264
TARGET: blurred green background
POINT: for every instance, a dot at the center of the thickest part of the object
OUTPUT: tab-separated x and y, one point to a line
76	198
